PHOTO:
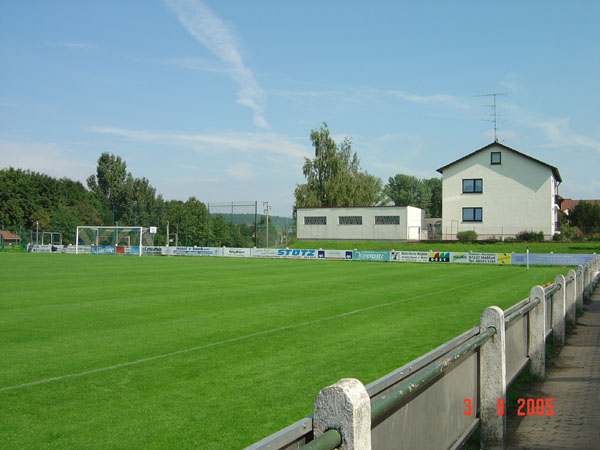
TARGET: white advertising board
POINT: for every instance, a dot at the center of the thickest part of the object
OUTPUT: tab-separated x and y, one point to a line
237	252
265	253
404	256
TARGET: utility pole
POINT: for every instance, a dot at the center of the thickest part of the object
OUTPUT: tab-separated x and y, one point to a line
267	208
167	236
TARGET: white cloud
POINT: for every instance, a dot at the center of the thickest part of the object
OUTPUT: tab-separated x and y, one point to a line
262	143
47	158
241	170
219	38
449	100
557	134
355	95
73	45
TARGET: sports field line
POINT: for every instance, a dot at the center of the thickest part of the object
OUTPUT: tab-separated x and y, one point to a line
240	338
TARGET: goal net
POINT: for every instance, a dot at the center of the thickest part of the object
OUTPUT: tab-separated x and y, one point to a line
113	239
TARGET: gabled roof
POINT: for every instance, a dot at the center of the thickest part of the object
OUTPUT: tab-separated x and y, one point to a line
7	235
554	170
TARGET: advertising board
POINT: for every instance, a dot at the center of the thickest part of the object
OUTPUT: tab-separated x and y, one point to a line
483	258
236	252
421	257
439	256
154	250
369	255
265	253
296	253
551	259
334	254
196	251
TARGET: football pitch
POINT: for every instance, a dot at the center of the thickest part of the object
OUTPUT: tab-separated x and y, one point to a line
182	352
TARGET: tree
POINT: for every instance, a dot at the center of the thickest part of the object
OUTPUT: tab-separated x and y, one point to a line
406	190
435	207
41	220
110	184
220	231
334	177
586	216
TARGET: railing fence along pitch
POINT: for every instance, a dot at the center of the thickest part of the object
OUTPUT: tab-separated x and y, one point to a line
457	386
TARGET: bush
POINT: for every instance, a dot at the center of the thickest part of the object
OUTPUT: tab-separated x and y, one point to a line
558	237
530	236
466	236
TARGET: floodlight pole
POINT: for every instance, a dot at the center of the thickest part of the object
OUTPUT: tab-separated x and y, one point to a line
167	236
36	233
267	207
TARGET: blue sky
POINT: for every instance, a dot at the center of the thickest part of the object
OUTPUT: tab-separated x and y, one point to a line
217	99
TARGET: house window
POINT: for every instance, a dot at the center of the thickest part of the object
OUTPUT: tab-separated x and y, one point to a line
472	214
471	186
315	220
350	220
496	158
387	220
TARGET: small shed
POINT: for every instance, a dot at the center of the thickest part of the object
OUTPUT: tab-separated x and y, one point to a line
9	238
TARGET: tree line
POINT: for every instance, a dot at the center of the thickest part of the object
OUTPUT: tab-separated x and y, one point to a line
31	201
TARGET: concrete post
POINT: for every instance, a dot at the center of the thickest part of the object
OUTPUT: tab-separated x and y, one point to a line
571	293
537	332
558	312
346	407
492	380
580	286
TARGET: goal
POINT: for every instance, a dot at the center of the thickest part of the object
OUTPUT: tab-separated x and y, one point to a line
113	239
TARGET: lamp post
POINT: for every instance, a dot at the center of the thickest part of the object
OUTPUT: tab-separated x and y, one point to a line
267	208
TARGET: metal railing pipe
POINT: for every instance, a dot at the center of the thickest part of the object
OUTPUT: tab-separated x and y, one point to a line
551	290
330	440
529	306
386	405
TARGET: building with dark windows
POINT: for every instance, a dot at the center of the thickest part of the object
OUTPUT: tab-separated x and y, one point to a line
385	223
498	192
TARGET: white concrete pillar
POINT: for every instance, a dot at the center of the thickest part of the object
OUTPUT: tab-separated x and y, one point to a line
346	407
492	380
580	287
558	312
537	332
571	294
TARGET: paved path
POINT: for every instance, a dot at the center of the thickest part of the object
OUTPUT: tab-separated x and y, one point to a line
573	382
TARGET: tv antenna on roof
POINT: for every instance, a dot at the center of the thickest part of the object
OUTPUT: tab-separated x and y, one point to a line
494	118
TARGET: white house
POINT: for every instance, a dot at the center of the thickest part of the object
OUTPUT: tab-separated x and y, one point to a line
385	223
498	191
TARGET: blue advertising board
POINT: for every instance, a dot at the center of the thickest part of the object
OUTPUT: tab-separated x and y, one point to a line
551	259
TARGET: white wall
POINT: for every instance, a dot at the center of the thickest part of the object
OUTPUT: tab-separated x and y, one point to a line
518	195
410	219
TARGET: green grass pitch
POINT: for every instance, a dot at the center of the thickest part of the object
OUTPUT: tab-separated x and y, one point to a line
156	352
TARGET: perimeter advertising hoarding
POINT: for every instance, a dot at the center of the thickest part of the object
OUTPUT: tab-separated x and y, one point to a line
196	251
367	255
265	253
334	254
439	256
296	253
474	258
154	250
551	259
237	252
421	257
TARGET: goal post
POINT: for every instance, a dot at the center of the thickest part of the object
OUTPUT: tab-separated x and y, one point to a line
113	239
